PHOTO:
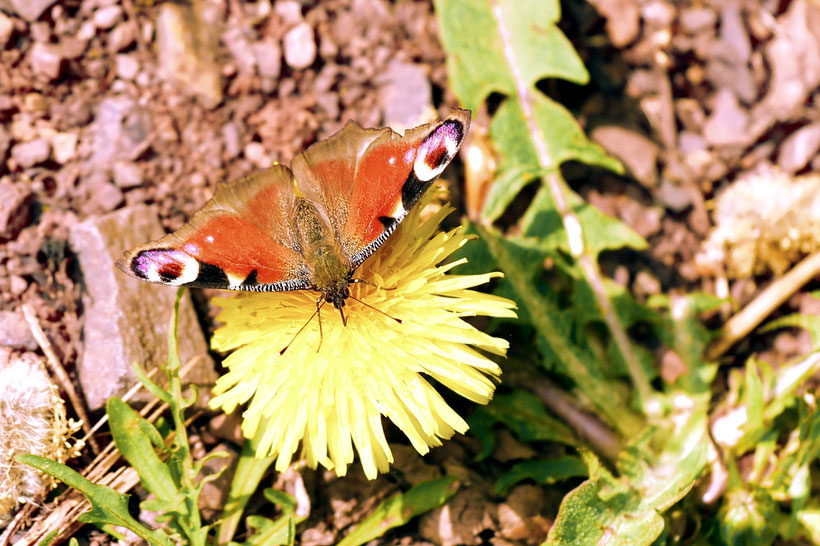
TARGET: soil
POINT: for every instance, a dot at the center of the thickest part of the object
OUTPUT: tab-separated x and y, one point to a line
104	106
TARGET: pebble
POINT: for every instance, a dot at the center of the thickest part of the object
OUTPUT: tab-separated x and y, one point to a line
127	174
28	154
46	60
799	148
733	33
15	209
123	36
256	154
638	153
29	10
728	123
693	20
300	46
289	10
268	58
18	285
107	17
14	331
127	66
6	29
64	146
230	138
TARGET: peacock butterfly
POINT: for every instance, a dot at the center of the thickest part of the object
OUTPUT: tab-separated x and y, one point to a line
308	227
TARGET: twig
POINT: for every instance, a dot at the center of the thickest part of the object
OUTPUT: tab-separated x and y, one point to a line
767	301
586	426
572	225
59	372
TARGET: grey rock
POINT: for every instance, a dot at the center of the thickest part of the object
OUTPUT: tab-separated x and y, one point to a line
300	46
126	319
108	16
733	33
268	58
289	10
231	139
15	209
123	36
693	20
28	154
799	148
127	66
102	194
6	29
636	152
14	331
186	47
46	60
127	174
405	95
30	9
728	124
121	130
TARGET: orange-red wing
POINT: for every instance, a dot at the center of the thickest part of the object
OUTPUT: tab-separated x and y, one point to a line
242	239
367	179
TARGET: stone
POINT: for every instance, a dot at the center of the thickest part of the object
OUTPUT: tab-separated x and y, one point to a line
46	60
268	58
238	41
28	154
122	37
406	96
103	196
6	29
694	20
31	10
622	20
231	140
289	10
186	47
121	130
107	16
799	148
728	124
256	154
15	209
127	66
300	46
126	320
18	285
127	174
638	154
733	33
14	331
64	147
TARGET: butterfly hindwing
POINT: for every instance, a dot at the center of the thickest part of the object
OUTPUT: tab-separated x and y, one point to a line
240	240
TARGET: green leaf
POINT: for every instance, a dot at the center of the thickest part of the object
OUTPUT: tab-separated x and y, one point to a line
478	67
135	439
268	532
545	471
401	508
107	506
524	415
627	509
575	362
246	478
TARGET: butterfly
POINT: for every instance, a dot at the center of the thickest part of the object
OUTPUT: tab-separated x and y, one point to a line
310	226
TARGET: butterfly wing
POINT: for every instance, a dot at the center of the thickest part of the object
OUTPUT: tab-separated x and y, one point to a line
242	239
366	180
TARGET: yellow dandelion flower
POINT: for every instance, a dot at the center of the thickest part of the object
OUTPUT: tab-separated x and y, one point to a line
329	390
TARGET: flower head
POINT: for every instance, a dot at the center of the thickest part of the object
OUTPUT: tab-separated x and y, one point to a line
334	383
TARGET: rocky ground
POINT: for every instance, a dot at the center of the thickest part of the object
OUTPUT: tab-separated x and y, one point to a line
119	118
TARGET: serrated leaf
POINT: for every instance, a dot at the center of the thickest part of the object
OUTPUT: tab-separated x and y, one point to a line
543	472
545	318
627	509
478	67
401	508
107	506
524	415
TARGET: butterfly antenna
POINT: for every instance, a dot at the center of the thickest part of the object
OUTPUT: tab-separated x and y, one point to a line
319	303
377	309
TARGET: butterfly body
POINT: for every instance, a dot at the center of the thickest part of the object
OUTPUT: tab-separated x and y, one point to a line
308	227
